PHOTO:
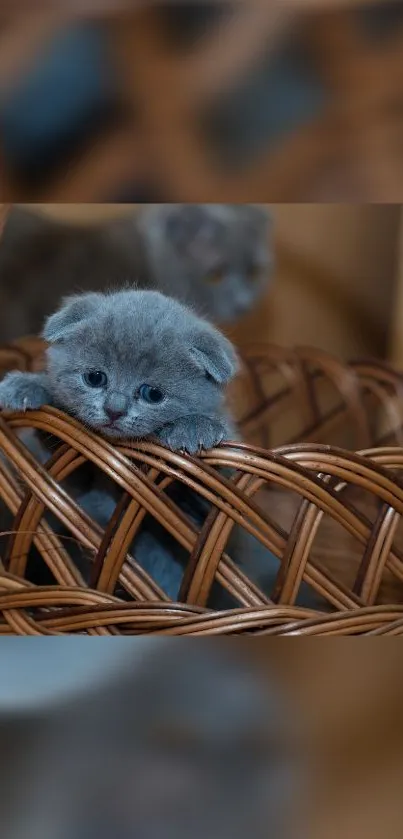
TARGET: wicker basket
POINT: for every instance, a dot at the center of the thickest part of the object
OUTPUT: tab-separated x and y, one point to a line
331	516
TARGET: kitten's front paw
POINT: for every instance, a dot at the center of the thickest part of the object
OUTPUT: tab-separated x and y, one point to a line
22	392
191	434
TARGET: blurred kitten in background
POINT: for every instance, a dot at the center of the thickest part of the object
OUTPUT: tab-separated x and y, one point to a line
215	257
194	741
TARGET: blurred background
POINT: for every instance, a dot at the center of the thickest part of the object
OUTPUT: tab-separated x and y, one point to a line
349	698
334	276
332	710
287	100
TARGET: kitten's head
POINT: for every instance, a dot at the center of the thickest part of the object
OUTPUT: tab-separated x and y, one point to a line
127	363
217	256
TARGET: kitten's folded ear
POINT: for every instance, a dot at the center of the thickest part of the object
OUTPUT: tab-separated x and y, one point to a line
73	311
214	354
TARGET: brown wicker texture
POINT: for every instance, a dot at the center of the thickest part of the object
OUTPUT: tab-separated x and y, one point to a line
331	516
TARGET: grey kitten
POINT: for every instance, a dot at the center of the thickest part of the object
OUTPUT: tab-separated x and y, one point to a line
133	364
194	741
216	257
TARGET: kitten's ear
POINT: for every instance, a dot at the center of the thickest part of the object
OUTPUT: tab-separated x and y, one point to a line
214	355
73	311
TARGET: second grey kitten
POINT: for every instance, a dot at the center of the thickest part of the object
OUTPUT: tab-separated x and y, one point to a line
216	257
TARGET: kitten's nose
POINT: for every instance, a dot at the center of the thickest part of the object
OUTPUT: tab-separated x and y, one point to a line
114	413
115	406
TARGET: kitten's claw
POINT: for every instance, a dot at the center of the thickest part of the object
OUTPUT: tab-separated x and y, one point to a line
23	392
192	434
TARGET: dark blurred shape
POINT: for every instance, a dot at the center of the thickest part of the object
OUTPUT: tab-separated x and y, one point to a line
193	740
137	193
379	22
281	95
68	97
186	23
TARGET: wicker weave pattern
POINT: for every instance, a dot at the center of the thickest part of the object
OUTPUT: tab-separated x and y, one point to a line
331	516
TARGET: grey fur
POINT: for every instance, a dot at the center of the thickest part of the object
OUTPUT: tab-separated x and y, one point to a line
215	257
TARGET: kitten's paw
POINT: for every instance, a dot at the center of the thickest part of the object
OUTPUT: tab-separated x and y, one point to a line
22	392
192	434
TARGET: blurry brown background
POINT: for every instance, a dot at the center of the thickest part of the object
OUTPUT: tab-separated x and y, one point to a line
351	697
336	279
308	94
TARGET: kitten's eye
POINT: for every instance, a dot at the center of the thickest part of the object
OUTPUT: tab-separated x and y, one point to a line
95	378
150	394
216	276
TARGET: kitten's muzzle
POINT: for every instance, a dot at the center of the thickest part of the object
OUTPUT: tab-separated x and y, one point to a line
116	406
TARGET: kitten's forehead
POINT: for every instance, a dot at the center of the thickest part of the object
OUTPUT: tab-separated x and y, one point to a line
137	328
131	314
